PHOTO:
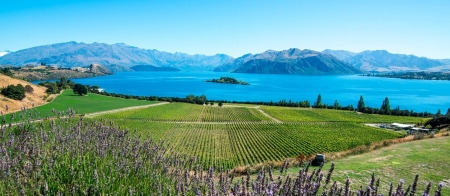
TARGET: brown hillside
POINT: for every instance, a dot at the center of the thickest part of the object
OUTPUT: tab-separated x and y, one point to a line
36	97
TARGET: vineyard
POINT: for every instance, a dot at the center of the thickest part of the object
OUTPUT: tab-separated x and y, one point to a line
233	136
183	112
330	115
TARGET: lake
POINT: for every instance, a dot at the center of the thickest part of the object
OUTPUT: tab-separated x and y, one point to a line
417	95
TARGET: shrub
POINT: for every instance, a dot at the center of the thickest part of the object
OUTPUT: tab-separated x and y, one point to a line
418	136
14	92
29	89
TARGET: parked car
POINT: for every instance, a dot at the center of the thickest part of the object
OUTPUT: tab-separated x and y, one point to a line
318	160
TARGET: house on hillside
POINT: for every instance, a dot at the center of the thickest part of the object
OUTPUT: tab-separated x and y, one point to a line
401	126
419	130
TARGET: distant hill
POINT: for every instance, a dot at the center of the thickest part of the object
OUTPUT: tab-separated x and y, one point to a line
340	54
382	60
99	69
3	53
42	72
36	98
292	61
73	54
152	68
445	61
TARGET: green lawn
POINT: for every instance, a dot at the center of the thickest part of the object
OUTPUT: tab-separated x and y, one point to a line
86	104
430	158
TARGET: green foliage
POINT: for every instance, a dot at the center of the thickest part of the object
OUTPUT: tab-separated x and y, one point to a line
318	103
14	92
233	136
361	104
247	143
438	121
196	99
183	112
228	80
325	115
385	106
57	86
336	105
80	89
6	71
85	104
29	88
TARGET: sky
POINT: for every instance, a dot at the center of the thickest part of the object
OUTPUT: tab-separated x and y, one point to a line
232	27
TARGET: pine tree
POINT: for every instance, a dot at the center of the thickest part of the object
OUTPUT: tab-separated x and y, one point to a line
319	101
385	106
361	104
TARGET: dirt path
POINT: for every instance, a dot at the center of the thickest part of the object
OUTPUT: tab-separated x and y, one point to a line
265	114
123	109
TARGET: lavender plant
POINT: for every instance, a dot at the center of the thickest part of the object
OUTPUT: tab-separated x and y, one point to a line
67	155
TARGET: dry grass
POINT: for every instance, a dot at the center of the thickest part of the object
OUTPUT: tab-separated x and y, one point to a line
37	97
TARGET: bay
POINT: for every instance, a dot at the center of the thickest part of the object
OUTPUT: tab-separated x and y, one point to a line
417	95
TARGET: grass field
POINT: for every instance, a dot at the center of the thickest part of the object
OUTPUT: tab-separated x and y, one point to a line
86	104
329	115
430	158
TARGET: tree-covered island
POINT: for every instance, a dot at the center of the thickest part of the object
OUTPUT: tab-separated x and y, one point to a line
228	80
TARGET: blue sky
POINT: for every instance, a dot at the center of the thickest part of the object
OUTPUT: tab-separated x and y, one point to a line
233	27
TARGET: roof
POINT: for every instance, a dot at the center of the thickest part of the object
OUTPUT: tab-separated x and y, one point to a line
401	125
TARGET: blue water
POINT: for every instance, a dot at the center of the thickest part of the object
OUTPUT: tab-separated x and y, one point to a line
417	95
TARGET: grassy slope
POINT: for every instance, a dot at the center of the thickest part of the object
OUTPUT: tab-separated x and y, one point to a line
87	104
429	158
36	97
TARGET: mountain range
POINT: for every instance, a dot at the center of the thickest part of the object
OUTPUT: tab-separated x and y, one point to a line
122	57
292	61
382	60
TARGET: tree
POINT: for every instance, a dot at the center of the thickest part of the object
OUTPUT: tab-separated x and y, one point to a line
318	103
80	89
14	92
211	103
448	112
438	113
52	88
220	104
385	106
29	89
336	105
95	89
361	104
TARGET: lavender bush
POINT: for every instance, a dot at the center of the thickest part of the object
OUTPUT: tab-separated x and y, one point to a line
68	155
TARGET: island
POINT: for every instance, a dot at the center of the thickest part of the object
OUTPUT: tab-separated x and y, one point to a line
228	80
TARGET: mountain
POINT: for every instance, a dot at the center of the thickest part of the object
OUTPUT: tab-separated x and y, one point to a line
72	54
340	54
152	68
292	61
445	61
382	60
99	69
3	53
